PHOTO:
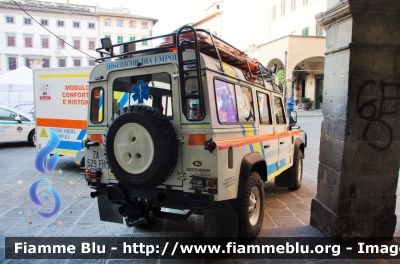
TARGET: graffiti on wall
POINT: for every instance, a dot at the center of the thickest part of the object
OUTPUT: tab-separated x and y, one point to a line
377	102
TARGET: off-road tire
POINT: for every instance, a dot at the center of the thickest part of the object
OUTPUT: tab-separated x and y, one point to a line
296	171
32	138
151	158
250	224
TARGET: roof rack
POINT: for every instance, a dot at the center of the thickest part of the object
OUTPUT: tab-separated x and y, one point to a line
183	38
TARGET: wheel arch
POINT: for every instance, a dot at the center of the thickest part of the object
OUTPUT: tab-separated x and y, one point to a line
298	144
252	161
29	134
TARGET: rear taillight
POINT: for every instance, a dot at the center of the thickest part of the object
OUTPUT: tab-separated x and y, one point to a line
91	174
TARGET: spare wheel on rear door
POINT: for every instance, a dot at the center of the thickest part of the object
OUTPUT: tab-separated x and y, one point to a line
141	147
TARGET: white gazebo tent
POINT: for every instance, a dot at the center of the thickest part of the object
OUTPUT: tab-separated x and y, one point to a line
16	89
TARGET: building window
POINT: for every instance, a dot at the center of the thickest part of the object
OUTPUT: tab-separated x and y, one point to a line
62	63
293	5
27	21
77	43
27	62
305	2
120	39
60	23
45	43
61	43
28	42
10	19
144	42
46	63
76	24
44	22
12	62
132	24
273	13
132	38
91	44
107	22
91	63
283	7
144	24
107	36
120	23
91	25
319	31
304	31
77	62
10	41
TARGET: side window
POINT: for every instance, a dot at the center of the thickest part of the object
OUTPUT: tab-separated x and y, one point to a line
96	105
23	118
279	112
264	108
226	105
192	99
244	99
7	115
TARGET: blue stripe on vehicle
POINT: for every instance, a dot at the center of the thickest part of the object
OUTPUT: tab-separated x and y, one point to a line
81	134
70	145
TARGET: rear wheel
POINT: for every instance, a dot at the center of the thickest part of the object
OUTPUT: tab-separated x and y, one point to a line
250	206
32	138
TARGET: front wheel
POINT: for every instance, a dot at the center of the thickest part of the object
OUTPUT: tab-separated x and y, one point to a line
296	172
250	206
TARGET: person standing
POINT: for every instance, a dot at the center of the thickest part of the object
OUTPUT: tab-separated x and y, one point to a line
290	106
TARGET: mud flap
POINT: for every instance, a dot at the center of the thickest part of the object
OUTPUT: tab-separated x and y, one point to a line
108	211
220	221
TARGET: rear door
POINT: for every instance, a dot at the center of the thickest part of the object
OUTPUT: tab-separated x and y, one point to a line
152	86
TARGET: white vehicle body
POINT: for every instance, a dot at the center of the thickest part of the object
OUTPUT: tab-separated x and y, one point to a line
61	103
16	125
230	134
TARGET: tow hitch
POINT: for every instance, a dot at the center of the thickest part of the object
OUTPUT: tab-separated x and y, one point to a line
146	215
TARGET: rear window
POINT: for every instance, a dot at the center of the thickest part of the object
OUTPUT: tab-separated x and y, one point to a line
96	105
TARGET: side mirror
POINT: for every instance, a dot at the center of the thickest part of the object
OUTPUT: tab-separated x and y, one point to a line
17	118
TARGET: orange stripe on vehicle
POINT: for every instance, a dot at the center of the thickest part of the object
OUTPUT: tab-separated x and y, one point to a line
284	134
96	137
62	123
197	139
296	132
238	142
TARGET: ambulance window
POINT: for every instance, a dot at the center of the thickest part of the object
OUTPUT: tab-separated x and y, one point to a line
226	105
279	111
153	90
96	105
192	99
264	108
244	99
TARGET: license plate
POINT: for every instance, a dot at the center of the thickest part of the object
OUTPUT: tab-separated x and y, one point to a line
95	159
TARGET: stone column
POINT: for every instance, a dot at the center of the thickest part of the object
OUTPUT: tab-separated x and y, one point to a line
360	140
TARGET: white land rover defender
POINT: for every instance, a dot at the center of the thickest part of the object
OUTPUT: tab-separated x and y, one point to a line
192	124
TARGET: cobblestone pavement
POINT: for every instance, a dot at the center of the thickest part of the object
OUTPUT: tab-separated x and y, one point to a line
286	213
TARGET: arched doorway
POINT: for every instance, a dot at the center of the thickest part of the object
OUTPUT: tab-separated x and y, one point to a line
308	80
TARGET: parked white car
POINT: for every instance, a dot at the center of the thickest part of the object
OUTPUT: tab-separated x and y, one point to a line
16	126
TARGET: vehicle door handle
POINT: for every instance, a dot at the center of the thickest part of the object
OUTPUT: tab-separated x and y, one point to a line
282	142
267	146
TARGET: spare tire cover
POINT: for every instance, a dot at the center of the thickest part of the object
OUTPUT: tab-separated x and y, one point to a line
141	147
